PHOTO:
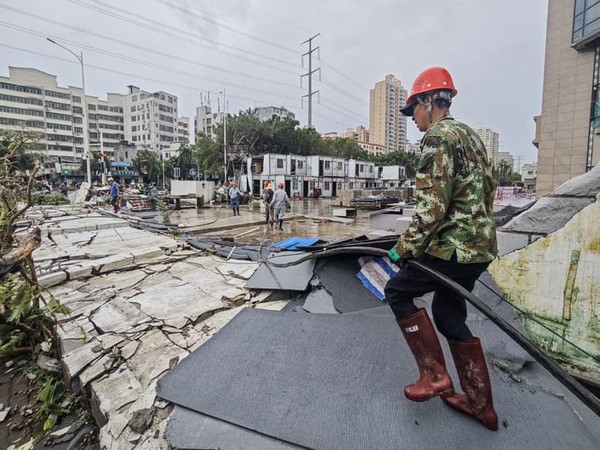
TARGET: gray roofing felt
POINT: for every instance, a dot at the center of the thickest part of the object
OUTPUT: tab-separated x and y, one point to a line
295	278
335	381
552	212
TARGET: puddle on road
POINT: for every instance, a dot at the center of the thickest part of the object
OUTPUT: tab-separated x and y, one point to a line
301	227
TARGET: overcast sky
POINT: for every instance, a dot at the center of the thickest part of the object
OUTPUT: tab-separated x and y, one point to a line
252	49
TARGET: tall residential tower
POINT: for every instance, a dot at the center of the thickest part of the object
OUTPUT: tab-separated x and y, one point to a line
387	125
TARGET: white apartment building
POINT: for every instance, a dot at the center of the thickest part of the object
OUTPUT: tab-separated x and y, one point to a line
529	173
183	130
32	102
387	125
268	112
491	140
412	148
150	118
205	120
372	149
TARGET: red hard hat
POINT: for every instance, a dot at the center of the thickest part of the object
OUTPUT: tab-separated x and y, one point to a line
281	184
432	79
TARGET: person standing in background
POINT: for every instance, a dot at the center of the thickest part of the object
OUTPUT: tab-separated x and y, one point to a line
234	198
278	203
267	197
114	194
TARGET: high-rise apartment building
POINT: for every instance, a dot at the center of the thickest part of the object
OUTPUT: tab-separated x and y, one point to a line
205	120
510	159
360	133
387	125
150	118
491	140
568	128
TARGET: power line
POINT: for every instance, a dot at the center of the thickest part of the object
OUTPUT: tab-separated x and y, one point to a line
343	75
141	77
137	47
139	61
194	6
344	92
194	89
287	22
170	83
184	39
342	108
232	29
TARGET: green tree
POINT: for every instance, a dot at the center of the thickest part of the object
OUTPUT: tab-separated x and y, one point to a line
146	162
186	160
503	174
209	155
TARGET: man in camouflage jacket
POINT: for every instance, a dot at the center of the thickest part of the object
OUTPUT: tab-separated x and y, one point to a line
452	232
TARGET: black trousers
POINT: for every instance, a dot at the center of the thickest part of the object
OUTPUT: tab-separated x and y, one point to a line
449	309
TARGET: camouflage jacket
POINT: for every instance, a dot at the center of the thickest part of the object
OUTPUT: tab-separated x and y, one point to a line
455	193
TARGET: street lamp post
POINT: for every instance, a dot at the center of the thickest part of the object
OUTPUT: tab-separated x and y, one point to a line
86	138
224	137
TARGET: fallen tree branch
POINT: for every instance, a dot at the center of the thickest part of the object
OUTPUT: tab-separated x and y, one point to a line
26	246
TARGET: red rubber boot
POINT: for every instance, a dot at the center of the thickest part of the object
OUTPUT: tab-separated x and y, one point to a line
475	380
425	347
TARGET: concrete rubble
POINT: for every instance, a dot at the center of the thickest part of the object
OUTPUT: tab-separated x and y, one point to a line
139	303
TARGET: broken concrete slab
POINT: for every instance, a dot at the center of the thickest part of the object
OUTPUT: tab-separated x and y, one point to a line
155	355
94	371
52	279
172	300
118	316
129	349
238	269
113	262
276	305
112	392
76	360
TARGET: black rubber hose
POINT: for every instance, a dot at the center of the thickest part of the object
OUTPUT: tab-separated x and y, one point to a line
558	372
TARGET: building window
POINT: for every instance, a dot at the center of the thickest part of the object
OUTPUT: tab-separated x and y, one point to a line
300	164
340	165
586	20
279	163
327	165
327	185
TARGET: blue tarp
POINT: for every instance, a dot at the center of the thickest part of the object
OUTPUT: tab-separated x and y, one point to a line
296	243
120	164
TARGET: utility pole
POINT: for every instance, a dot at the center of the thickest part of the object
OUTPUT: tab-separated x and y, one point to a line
86	127
309	75
224	137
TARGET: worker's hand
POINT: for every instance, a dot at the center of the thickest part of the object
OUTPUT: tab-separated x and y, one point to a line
396	258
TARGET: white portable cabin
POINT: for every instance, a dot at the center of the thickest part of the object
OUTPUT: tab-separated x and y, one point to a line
391	177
